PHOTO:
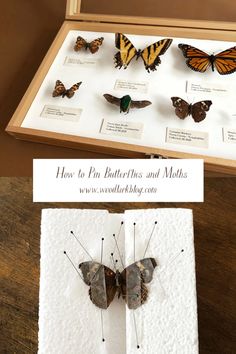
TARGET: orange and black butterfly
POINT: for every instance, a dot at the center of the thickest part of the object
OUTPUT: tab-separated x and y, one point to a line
150	55
60	89
197	60
197	110
92	46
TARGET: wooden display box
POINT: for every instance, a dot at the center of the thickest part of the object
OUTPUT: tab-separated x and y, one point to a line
77	23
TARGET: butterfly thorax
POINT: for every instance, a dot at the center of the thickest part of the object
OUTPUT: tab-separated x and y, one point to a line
138	54
212	59
125	102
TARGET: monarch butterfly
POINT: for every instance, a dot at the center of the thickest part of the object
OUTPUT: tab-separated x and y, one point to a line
197	110
60	89
92	46
197	60
150	55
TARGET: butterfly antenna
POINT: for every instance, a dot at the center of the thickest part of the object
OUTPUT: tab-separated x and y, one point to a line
118	250
102	249
134	239
118	235
152	232
81	245
172	260
103	339
136	332
113	261
73	265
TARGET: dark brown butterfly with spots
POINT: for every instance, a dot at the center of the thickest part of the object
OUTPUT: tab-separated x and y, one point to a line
92	46
197	110
104	283
60	89
125	102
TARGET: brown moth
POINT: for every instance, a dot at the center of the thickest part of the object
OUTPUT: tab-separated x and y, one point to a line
104	283
92	46
60	89
197	110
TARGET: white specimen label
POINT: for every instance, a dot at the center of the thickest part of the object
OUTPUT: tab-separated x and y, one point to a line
229	135
85	62
208	87
134	86
187	137
122	128
61	113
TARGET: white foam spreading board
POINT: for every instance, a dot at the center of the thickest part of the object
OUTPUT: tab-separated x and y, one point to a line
168	80
70	323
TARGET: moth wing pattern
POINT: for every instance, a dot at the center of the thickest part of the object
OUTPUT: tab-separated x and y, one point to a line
150	55
95	44
71	91
101	281
139	104
80	43
133	280
126	53
59	89
199	109
181	107
197	59
112	99
225	62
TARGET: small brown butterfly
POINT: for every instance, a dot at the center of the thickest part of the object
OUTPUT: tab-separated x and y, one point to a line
60	89
130	283
125	102
197	110
92	46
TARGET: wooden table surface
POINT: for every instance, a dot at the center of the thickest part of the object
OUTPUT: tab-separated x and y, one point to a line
215	245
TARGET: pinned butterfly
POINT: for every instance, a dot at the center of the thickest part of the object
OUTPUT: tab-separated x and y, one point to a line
150	55
104	283
125	102
197	110
197	60
92	46
60	89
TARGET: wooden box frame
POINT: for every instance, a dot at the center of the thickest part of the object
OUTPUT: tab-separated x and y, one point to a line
126	24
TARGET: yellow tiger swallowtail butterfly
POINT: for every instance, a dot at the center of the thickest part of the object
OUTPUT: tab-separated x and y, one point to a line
150	55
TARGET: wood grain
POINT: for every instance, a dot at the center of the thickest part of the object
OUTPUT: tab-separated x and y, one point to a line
215	245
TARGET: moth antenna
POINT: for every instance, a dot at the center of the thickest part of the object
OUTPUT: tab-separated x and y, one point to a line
172	260
118	250
134	239
81	245
103	339
152	232
136	332
73	265
102	249
118	235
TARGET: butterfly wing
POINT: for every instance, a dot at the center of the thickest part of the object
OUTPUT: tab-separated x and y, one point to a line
71	91
225	62
139	104
59	89
197	60
181	107
101	281
126	51
112	99
133	279
95	44
80	43
199	109
150	55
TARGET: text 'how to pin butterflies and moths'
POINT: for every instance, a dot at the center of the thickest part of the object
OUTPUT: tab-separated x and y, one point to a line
149	55
198	60
60	89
